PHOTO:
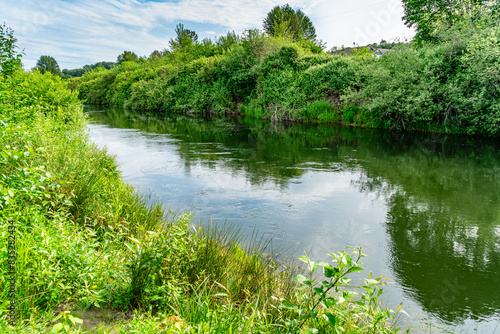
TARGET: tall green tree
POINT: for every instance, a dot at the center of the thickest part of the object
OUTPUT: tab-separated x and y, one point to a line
127	56
184	39
284	20
48	64
10	60
428	17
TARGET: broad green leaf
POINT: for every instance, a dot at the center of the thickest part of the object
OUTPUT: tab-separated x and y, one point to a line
330	302
290	306
319	292
328	272
57	328
75	320
348	259
354	270
331	318
302	279
349	294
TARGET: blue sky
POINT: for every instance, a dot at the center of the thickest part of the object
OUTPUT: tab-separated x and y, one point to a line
79	32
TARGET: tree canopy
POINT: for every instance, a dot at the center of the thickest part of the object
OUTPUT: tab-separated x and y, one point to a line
184	38
284	20
9	58
429	16
48	64
127	56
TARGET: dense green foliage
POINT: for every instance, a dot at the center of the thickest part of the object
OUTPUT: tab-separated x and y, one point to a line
10	59
451	86
265	77
127	56
78	72
284	20
48	64
429	18
184	39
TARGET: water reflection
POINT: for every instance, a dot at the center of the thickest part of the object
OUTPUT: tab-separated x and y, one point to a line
443	219
426	207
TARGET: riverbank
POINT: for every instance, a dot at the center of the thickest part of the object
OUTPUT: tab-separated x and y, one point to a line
447	87
85	241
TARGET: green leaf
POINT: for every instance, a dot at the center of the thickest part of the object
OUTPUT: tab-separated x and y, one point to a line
304	258
369	281
330	302
331	319
328	272
302	280
129	246
349	294
57	328
348	259
319	292
290	306
354	270
75	320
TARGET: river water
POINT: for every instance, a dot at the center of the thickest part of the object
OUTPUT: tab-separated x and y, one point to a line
425	207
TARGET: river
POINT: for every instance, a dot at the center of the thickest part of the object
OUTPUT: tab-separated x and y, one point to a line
425	207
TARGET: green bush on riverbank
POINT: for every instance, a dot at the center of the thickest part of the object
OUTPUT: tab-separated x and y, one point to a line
450	86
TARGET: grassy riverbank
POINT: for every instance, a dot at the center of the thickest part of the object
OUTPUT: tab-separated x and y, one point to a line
446	86
89	249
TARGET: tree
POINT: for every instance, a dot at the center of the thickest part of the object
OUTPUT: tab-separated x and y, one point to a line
48	64
428	17
284	20
185	38
225	42
127	56
10	61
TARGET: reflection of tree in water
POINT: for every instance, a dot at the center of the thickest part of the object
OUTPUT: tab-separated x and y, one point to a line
262	151
450	265
443	220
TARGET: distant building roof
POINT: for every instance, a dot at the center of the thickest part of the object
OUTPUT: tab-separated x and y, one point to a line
381	52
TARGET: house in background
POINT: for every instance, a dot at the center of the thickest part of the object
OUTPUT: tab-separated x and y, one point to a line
380	52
